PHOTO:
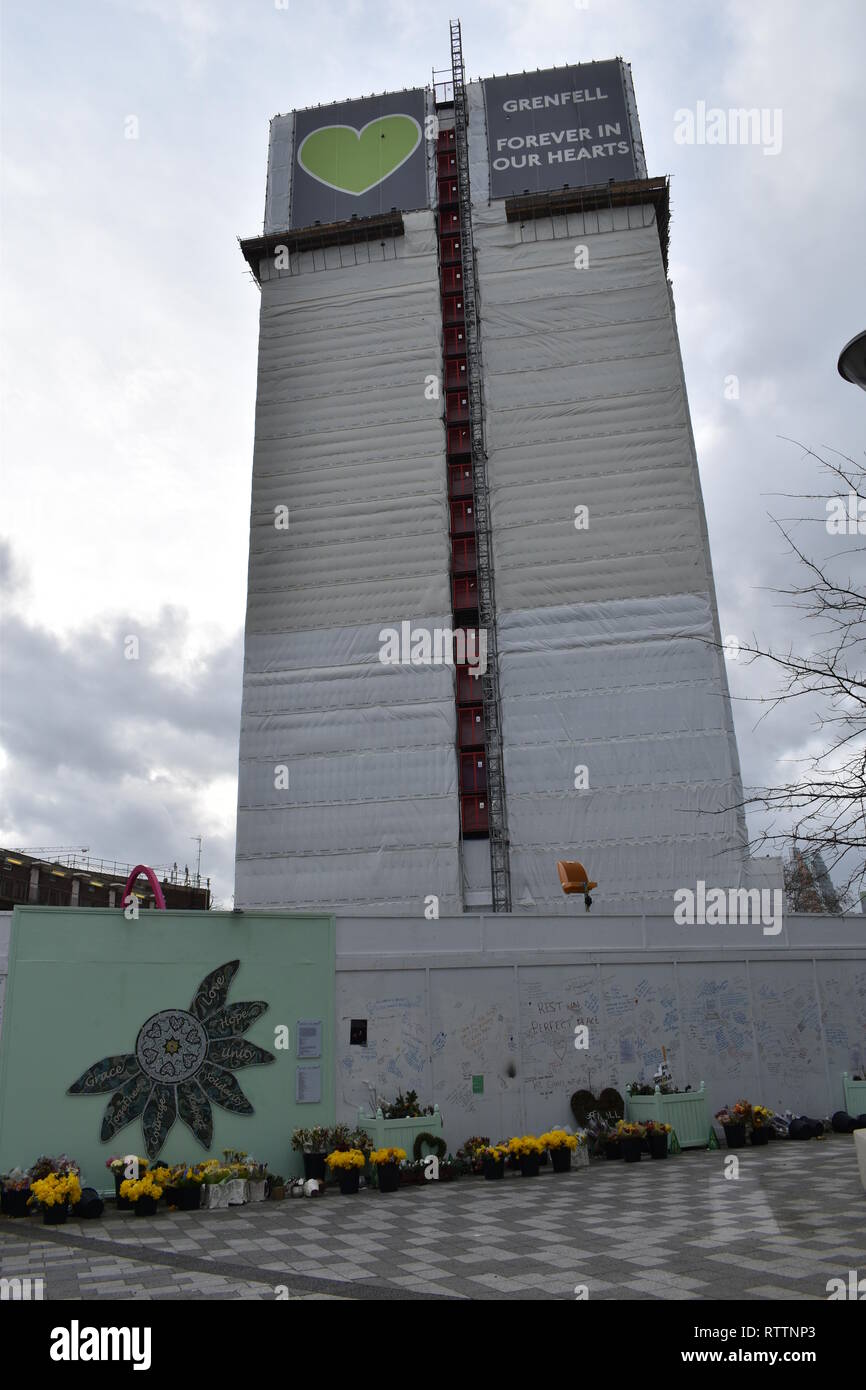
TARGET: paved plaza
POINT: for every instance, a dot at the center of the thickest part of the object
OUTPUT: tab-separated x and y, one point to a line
678	1229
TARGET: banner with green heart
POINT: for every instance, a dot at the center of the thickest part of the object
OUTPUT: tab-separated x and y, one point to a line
354	161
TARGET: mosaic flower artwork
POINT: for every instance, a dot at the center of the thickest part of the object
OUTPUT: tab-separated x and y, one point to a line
183	1063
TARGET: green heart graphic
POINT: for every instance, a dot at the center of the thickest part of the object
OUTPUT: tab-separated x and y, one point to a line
354	161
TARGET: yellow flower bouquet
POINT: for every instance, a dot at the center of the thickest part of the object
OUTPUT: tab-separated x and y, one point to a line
145	1190
761	1124
387	1171
57	1190
345	1159
346	1164
213	1172
525	1144
192	1176
561	1145
527	1149
559	1139
392	1155
55	1193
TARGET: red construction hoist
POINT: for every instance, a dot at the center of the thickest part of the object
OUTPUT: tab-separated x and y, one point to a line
479	736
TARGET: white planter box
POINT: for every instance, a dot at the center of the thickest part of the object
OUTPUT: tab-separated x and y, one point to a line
399	1134
256	1191
214	1195
684	1111
580	1157
855	1095
860	1151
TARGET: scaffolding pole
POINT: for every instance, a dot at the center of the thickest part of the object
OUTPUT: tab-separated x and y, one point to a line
500	868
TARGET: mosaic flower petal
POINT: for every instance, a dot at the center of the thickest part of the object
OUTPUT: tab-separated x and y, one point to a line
125	1105
222	1088
159	1115
106	1075
238	1052
235	1019
213	990
193	1107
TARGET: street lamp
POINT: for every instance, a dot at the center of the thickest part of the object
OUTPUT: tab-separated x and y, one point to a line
852	361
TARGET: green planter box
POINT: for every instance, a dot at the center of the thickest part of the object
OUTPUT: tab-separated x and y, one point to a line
685	1112
398	1134
855	1095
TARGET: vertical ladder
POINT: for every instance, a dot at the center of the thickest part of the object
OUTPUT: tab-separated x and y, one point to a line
500	869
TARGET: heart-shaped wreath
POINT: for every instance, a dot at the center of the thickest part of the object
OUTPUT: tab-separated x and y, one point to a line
609	1104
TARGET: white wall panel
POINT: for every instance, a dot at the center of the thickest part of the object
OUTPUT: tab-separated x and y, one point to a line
346	439
500	998
605	632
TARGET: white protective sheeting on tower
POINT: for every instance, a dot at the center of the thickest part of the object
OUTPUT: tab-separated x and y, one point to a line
281	146
348	441
606	632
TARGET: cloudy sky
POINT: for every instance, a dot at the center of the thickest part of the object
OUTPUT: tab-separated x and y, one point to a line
130	327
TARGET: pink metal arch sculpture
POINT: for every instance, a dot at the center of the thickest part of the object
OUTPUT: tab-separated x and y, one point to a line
152	880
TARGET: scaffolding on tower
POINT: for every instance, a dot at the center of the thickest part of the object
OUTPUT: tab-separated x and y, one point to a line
500	869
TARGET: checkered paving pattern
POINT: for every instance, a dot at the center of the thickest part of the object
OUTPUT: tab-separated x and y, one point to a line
793	1218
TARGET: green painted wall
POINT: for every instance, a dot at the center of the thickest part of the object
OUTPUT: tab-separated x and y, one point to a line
83	982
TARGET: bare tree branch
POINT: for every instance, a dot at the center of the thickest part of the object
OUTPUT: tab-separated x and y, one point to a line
827	799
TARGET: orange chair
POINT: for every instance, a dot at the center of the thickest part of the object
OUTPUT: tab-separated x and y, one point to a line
575	879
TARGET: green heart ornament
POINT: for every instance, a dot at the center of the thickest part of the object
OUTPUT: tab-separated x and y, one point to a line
354	161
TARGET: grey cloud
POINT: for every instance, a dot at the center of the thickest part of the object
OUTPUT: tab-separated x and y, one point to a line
86	733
